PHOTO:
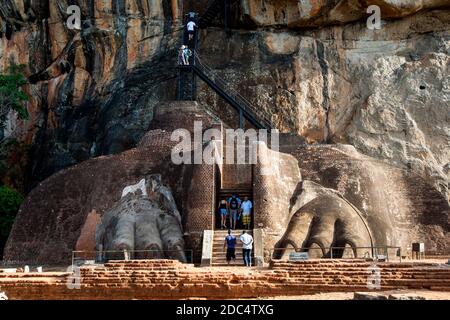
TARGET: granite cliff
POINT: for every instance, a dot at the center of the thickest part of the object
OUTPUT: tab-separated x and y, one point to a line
313	66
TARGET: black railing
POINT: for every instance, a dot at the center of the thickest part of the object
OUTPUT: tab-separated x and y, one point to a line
248	110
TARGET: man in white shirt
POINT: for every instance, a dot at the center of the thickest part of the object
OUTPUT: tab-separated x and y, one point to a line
246	208
247	246
191	25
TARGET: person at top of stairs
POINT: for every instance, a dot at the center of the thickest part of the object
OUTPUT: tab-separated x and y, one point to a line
246	208
230	244
223	211
234	206
191	25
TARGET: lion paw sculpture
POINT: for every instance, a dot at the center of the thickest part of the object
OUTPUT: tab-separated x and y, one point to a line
145	223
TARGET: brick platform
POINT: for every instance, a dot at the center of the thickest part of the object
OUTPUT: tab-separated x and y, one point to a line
163	279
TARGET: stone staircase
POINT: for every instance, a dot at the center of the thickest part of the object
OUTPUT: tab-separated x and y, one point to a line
219	253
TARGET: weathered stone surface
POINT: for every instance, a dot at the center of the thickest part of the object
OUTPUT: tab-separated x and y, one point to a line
92	92
146	225
384	92
163	279
324	220
350	198
405	297
370	296
397	209
313	13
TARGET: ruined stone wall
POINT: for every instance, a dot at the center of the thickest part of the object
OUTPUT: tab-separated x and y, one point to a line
161	279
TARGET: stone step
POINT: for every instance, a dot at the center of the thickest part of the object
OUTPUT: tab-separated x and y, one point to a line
362	265
364	269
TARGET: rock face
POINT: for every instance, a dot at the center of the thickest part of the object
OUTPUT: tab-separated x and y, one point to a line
321	196
313	66
92	91
384	92
316	13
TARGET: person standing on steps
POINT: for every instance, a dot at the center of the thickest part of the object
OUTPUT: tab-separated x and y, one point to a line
187	53
180	56
246	208
191	25
247	246
192	16
234	206
230	244
223	211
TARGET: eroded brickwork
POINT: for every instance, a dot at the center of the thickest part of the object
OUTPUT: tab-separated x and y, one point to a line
163	279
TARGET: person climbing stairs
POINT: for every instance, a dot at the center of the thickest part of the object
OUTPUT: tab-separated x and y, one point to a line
188	73
220	253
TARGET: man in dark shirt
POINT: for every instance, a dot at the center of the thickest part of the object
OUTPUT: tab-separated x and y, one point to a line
230	244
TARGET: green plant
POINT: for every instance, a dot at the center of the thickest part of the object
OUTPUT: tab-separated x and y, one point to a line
11	95
10	201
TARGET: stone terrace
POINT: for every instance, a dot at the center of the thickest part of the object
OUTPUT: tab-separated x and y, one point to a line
165	279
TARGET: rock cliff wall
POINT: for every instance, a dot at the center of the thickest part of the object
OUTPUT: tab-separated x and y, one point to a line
312	65
92	91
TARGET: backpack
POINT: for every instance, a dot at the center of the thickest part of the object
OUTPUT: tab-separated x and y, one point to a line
234	203
231	241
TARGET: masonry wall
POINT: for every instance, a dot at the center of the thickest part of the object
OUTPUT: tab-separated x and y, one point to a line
162	279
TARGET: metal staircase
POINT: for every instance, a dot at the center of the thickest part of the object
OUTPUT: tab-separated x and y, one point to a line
187	80
245	108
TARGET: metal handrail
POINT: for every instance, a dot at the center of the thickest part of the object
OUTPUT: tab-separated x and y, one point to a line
371	253
225	84
94	255
244	103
